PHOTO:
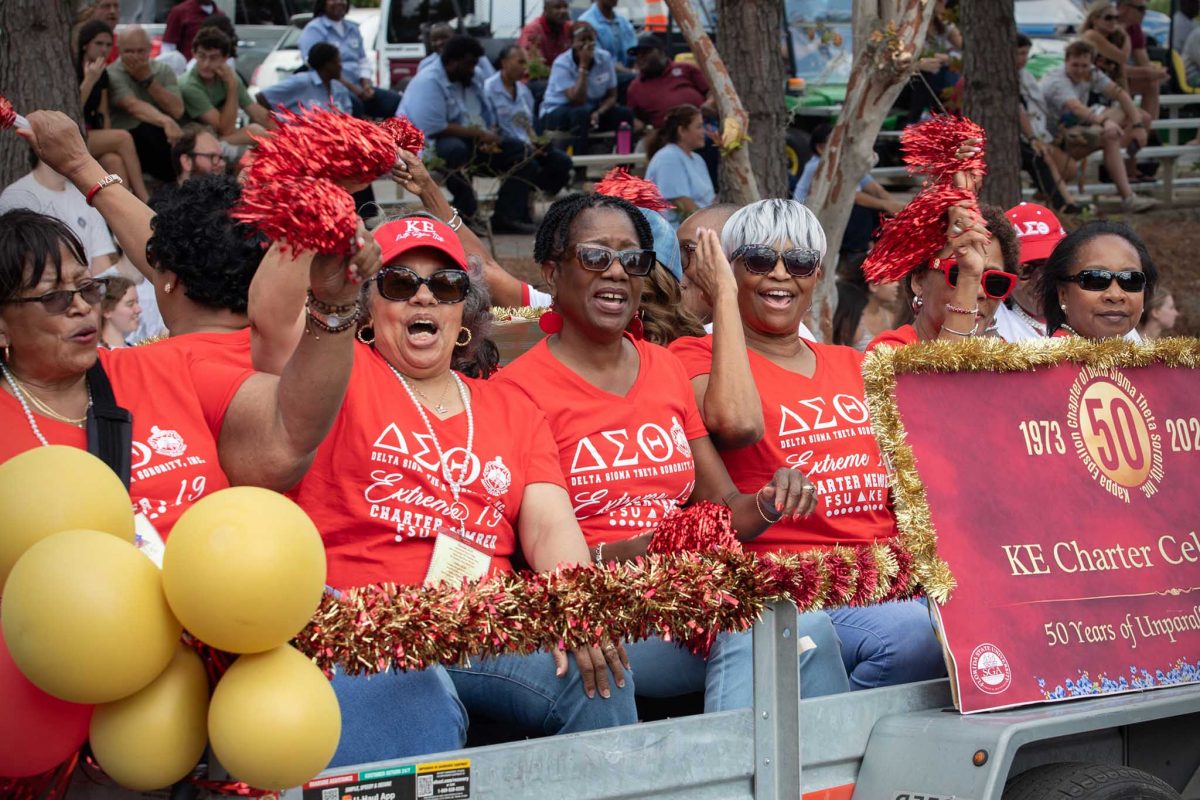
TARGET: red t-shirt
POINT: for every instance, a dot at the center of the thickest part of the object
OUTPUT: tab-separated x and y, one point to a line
680	83
627	460
183	22
378	497
905	334
821	426
227	348
538	35
178	404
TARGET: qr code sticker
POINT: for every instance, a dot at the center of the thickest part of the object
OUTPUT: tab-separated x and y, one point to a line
424	786
329	794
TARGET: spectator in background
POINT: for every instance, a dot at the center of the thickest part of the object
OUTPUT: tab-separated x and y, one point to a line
120	313
1038	232
676	167
864	310
1160	315
582	93
1145	76
1045	162
1191	57
183	22
319	86
213	91
329	24
870	199
106	11
222	24
1183	21
114	149
45	191
1081	130
512	106
1102	29
614	34
548	36
446	101
146	102
943	43
197	153
439	34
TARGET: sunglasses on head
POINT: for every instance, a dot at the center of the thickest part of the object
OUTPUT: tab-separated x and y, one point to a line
401	283
997	284
759	259
57	302
596	258
1098	280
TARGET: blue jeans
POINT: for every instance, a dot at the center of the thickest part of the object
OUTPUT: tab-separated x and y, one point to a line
396	715
665	669
888	644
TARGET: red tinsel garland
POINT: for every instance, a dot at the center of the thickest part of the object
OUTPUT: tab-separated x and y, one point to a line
8	115
915	235
704	527
929	147
320	143
310	213
690	597
617	182
406	135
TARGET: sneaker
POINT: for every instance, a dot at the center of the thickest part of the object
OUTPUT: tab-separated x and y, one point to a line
1135	204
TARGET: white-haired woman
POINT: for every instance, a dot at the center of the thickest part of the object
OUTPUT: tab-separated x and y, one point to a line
815	421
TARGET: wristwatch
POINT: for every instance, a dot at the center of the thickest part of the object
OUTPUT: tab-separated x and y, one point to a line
145	83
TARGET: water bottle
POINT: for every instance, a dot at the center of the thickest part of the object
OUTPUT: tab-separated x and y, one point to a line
624	139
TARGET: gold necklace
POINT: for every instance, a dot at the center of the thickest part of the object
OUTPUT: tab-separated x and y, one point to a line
438	407
47	410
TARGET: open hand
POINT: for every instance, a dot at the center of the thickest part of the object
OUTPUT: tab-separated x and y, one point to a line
56	139
594	665
338	279
708	268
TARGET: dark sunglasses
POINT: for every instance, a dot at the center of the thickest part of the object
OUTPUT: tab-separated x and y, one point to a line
996	283
1139	9
595	258
759	259
1098	280
686	251
1110	17
401	283
57	302
1030	268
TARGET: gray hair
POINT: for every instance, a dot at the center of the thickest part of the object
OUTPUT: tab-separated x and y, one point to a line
773	222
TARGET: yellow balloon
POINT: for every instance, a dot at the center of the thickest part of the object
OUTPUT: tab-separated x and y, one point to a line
85	618
154	738
244	569
57	488
274	720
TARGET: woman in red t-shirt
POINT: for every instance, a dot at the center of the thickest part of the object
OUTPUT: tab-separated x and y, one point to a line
629	436
428	476
956	295
815	420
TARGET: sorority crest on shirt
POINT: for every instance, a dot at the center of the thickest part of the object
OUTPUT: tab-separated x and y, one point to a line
1055	479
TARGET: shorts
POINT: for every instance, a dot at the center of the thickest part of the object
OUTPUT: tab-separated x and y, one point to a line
1079	141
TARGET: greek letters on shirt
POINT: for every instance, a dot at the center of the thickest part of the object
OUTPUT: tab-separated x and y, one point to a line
847	483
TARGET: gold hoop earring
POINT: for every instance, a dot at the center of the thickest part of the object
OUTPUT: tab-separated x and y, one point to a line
366	335
459	342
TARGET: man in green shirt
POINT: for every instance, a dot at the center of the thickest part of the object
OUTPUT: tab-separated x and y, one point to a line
213	92
145	100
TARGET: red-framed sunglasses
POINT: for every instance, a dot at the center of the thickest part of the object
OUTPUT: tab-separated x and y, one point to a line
997	284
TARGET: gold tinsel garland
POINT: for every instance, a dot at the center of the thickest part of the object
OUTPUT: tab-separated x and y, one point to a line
978	355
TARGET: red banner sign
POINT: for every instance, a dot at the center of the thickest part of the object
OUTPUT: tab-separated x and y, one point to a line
1065	501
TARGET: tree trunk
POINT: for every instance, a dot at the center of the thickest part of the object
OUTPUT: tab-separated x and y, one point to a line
751	34
993	93
888	34
36	71
739	183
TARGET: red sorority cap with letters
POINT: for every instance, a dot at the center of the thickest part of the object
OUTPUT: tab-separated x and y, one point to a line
397	237
1038	230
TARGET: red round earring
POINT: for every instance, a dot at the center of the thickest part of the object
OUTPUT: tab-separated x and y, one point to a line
636	329
551	322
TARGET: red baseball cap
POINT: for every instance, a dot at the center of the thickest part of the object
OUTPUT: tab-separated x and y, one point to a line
1038	230
399	236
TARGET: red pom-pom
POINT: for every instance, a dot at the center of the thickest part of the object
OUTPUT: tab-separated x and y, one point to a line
320	143
8	114
639	191
704	527
406	135
929	147
311	213
915	235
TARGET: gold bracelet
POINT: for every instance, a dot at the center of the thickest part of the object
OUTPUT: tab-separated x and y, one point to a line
761	513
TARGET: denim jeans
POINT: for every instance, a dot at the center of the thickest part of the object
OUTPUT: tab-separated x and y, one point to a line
403	714
666	669
888	644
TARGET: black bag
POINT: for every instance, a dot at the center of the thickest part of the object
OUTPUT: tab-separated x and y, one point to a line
109	427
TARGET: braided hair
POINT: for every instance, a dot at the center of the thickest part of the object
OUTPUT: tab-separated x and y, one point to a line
554	233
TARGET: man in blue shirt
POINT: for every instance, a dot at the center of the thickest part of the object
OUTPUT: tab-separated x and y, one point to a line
318	86
614	33
582	93
511	102
439	34
444	101
329	24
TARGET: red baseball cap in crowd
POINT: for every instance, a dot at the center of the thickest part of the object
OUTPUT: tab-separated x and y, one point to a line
399	236
1038	230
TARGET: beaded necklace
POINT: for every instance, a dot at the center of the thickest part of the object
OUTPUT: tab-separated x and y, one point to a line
20	395
1040	327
